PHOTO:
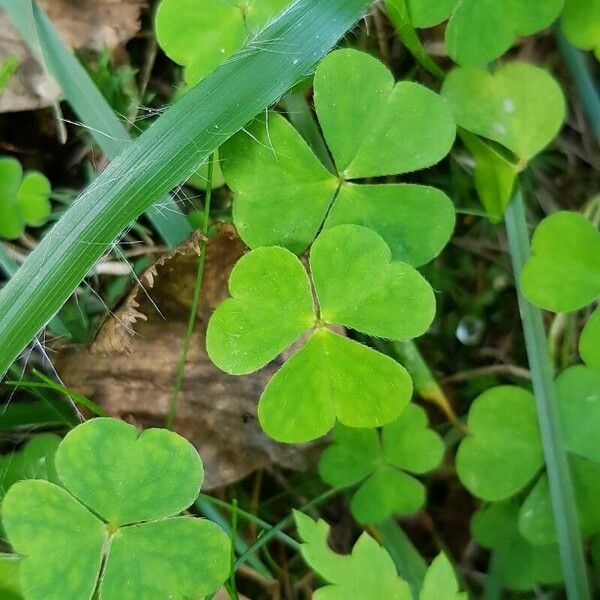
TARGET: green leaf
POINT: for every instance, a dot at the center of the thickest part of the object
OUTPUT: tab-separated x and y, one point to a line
580	22
424	13
440	581
10	577
61	540
34	461
282	190
359	286
536	520
589	342
493	175
578	398
480	31
34	199
271	306
332	376
183	554
203	37
562	275
519	564
368	572
374	126
519	105
8	66
124	475
503	451
406	445
416	221
114	478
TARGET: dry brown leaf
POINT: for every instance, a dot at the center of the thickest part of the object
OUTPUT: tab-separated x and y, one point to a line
130	368
83	24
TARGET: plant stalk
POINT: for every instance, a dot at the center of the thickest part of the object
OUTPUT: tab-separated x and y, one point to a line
559	476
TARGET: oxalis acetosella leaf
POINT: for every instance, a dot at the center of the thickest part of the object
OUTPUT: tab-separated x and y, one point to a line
479	31
110	526
202	34
373	127
383	464
563	272
357	285
580	22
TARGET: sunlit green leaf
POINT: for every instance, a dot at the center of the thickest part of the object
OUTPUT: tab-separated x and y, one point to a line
580	21
562	274
427	14
519	105
440	581
10	577
589	342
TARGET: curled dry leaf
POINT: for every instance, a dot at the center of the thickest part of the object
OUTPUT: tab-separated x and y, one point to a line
85	24
130	368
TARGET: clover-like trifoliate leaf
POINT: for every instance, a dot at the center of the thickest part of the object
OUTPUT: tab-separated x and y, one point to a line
416	221
271	306
34	461
503	450
282	190
375	126
580	21
24	198
578	397
480	31
332	377
563	273
413	129
519	564
589	342
202	34
359	286
536	518
368	572
120	487
113	469
440	581
519	105
361	455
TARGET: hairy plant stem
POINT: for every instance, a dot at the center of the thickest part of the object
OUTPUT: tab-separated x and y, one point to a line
557	467
196	298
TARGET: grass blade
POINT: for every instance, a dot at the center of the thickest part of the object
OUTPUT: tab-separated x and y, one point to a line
559	477
163	156
89	104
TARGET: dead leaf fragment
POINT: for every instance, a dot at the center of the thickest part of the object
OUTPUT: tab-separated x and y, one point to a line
82	24
130	368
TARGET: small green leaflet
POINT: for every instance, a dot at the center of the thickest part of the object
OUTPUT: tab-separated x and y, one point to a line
563	273
202	34
24	199
373	127
368	572
10	586
8	66
518	105
480	31
440	581
357	285
134	483
503	451
580	22
589	342
379	463
519	564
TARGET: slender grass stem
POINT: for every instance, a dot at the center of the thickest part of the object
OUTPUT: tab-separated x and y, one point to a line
231	587
557	467
196	298
577	63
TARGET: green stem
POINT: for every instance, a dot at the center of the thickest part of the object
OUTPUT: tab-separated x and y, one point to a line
408	561
557	467
232	588
196	299
577	63
7	264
